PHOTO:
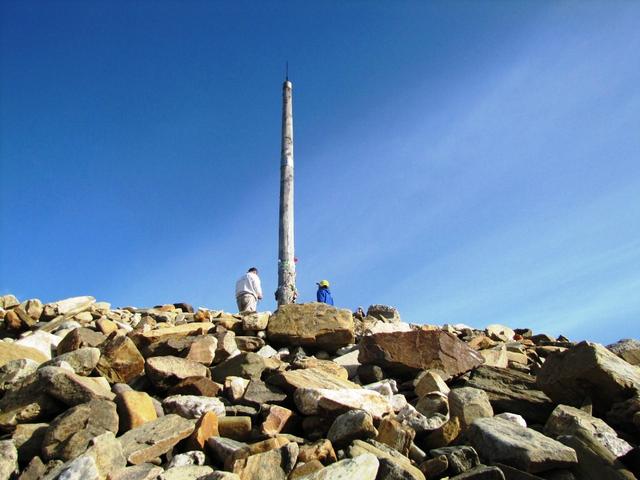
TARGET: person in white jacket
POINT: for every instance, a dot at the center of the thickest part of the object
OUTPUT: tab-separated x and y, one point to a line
248	291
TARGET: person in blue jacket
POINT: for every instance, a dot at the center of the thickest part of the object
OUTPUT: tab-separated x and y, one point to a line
324	294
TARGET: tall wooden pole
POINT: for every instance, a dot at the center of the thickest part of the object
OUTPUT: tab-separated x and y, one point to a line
286	292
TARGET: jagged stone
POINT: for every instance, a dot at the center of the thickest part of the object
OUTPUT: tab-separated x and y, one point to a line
79	338
459	458
203	349
275	464
14	372
433	403
313	401
627	349
8	459
434	467
430	381
396	435
83	360
247	365
409	416
495	357
390	460
69	434
512	391
316	325
498	440
349	426
165	372
235	387
443	436
235	428
121	361
321	450
226	451
386	313
152	439
588	370
468	403
134	409
594	461
192	406
409	352
500	332
276	420
566	420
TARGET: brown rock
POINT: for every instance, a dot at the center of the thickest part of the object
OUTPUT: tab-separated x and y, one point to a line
203	349
78	338
304	469
246	365
315	325
434	467
236	428
13	322
134	409
409	352
276	420
155	438
206	427
272	465
201	386
69	435
27	438
249	344
120	361
468	403
69	388
328	366
396	435
106	326
322	450
443	436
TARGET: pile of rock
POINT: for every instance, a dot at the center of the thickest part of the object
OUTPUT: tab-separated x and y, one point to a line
90	392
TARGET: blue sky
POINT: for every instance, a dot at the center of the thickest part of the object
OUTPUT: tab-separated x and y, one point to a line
474	162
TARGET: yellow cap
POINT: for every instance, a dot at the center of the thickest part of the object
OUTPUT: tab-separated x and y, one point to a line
323	283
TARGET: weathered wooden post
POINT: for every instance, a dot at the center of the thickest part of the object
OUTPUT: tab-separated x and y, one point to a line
286	292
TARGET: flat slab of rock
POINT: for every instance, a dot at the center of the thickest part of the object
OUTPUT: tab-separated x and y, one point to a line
11	351
588	370
499	440
409	352
315	377
512	391
154	438
316	325
274	464
314	401
566	420
165	372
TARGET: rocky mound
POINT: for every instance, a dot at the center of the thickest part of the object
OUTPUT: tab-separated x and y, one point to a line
310	392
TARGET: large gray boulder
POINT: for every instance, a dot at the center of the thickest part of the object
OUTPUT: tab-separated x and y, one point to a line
499	440
588	370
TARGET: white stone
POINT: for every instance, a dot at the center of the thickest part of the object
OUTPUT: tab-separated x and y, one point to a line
257	321
312	401
362	467
500	332
267	351
8	459
74	304
194	457
235	387
385	327
193	406
41	341
514	418
398	402
82	468
350	362
386	387
408	415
